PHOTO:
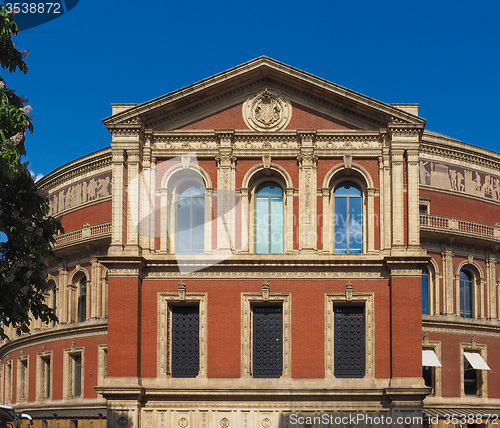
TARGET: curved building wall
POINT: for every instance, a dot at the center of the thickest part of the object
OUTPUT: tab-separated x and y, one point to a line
366	201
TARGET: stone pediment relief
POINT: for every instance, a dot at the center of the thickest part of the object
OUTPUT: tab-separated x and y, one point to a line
270	93
267	111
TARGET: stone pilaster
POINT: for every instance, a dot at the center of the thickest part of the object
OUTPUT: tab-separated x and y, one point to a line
327	245
94	294
307	160
448	277
226	191
398	224
385	203
147	198
62	299
118	204
133	200
491	285
413	198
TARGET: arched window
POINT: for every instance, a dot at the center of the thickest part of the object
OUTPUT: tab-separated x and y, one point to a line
190	218
82	299
348	219
269	231
466	293
425	292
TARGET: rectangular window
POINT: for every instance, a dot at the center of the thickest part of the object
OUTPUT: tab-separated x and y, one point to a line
428	375
185	359
23	379
470	379
267	341
8	382
349	338
77	375
45	377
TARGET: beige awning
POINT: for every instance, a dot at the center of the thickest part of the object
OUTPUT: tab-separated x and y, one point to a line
476	361
429	358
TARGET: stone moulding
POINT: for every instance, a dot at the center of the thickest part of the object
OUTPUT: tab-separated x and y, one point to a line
90	328
97	161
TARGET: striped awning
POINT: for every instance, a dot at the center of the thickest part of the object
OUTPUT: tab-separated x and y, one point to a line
462	412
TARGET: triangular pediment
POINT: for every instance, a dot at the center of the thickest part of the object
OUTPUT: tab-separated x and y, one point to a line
218	102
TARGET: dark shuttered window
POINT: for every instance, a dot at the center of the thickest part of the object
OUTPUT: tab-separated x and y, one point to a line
185	341
267	341
349	358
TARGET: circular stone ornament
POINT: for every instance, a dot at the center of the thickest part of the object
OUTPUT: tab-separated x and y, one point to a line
267	110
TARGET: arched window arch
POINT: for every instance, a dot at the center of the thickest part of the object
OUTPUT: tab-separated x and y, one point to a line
426	295
190	217
466	293
348	218
269	218
185	206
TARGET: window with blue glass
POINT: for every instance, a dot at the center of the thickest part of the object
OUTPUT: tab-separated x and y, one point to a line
269	224
348	219
425	292
466	287
190	218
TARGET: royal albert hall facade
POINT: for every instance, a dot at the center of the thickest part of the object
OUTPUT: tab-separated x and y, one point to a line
265	244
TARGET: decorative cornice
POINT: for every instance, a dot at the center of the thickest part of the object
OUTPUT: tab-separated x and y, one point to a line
60	332
96	161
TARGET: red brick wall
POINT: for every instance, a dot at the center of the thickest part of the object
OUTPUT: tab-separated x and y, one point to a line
462	207
308	323
90	366
94	214
302	118
451	363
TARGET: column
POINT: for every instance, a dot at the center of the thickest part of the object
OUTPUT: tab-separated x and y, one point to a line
226	191
398	224
447	260
133	200
491	286
118	201
385	202
62	309
94	287
327	221
307	160
413	199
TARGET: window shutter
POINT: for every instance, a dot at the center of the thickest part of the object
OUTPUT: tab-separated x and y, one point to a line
349	358
185	341
267	341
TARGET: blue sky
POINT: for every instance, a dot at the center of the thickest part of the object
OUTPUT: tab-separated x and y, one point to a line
441	54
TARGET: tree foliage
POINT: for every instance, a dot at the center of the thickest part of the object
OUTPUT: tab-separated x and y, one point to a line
24	211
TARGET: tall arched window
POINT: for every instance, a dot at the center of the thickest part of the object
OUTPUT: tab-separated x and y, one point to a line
348	219
190	218
82	299
425	292
269	232
466	293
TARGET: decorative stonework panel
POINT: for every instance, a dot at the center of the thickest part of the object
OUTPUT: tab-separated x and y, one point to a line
82	192
459	179
267	111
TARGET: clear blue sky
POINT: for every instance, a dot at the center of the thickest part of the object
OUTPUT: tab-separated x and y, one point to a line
441	54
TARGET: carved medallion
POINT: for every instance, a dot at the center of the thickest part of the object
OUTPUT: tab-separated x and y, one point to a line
267	111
